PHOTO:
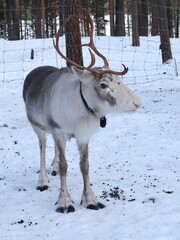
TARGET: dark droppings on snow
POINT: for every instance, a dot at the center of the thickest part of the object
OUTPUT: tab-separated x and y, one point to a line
21	189
25	224
21	221
168	192
114	193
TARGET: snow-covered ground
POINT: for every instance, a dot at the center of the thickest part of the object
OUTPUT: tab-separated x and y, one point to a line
134	161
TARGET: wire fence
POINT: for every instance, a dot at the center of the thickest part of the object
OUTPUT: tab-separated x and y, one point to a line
144	61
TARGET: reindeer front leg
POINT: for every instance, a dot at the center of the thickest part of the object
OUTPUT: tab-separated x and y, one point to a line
55	162
64	201
88	197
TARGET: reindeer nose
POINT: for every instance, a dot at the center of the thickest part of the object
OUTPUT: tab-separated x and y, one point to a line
137	105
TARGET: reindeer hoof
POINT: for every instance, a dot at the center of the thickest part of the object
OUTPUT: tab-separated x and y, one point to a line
96	207
60	209
42	188
69	209
100	205
92	207
54	173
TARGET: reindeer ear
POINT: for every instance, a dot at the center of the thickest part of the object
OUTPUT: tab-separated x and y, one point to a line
77	71
85	77
88	78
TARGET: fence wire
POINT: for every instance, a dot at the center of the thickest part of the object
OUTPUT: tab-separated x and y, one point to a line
144	61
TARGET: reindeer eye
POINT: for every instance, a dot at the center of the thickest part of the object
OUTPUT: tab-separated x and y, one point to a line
103	86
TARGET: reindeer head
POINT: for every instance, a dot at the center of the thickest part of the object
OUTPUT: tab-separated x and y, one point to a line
107	92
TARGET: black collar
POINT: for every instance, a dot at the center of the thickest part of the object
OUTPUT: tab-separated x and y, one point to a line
90	110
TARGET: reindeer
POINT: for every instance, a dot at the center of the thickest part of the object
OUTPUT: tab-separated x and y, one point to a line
73	102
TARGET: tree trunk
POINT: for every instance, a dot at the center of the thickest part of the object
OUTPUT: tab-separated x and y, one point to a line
111	12
177	20
85	28
25	19
13	16
2	19
51	25
170	17
144	17
55	15
129	24
120	21
61	11
99	18
9	19
135	32
155	20
39	16
47	18
43	17
16	20
164	32
72	32
139	12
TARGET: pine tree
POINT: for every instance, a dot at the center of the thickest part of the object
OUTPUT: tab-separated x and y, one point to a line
155	20
120	18
72	32
135	32
13	19
164	32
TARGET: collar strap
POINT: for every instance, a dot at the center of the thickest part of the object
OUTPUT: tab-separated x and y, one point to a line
84	100
90	110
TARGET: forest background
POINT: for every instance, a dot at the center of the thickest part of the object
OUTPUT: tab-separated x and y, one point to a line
29	19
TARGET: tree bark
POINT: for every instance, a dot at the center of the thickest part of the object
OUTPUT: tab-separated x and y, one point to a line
177	19
120	21
135	32
99	11
39	16
16	20
144	17
2	19
72	32
13	17
9	19
164	32
170	17
155	18
139	12
111	12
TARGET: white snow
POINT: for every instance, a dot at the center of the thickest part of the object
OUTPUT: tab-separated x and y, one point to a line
134	161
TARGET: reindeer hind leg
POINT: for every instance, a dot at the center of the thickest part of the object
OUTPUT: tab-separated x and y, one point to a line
43	182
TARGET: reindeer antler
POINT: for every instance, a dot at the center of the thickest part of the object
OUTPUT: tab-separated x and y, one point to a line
56	45
90	44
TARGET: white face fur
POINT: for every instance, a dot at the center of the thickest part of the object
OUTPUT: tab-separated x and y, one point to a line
119	97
